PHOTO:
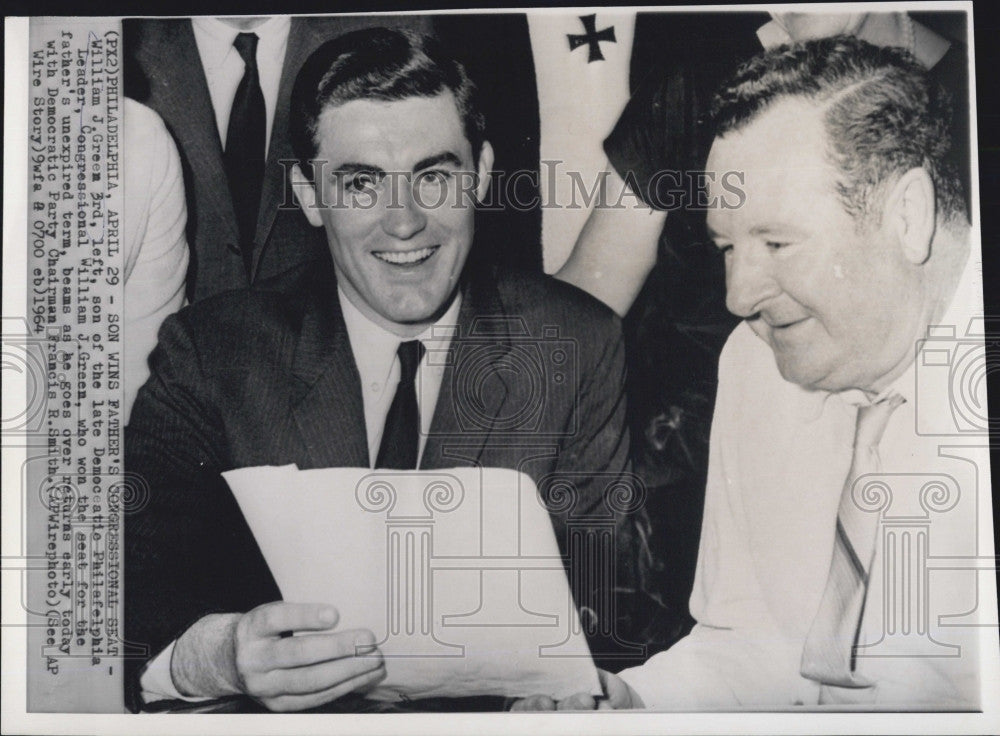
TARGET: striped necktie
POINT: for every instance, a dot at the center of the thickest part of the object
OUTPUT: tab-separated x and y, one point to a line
829	652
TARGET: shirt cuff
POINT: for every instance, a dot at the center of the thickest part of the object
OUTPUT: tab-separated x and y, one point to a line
156	682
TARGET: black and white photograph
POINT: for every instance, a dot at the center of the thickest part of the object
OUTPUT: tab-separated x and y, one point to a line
543	370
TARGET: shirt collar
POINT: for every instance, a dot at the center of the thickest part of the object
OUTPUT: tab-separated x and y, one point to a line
903	385
374	347
217	38
815	402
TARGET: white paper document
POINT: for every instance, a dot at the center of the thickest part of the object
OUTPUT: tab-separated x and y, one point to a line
457	572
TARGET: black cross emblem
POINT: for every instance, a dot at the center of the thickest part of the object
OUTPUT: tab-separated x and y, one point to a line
591	37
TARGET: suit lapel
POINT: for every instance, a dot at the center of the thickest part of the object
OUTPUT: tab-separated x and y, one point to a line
328	408
473	392
303	39
329	411
181	86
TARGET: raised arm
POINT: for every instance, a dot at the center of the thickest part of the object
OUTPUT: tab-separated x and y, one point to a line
616	249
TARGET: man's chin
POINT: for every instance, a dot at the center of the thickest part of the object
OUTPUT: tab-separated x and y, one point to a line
796	371
417	314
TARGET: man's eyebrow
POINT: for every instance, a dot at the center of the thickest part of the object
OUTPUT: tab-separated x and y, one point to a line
757	231
777	229
351	167
445	157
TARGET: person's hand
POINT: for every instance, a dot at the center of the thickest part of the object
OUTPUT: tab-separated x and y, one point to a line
252	654
299	672
617	696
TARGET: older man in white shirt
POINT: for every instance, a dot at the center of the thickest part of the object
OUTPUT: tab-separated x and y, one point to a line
832	494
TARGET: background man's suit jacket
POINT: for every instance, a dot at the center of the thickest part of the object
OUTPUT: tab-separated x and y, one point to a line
267	377
163	71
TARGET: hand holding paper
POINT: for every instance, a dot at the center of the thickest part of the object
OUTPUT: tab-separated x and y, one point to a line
249	654
456	572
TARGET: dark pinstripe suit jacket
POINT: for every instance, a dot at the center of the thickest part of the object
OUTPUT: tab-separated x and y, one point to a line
163	71
267	377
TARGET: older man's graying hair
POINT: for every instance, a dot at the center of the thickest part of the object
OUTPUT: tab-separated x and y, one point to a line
884	116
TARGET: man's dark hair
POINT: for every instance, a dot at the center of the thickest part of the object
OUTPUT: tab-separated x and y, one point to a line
382	65
883	117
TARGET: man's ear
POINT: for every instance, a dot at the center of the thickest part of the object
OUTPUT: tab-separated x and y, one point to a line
305	194
911	214
484	170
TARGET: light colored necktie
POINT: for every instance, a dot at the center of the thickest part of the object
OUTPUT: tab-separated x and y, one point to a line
828	655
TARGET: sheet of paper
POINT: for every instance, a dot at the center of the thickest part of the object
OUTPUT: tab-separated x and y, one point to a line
457	572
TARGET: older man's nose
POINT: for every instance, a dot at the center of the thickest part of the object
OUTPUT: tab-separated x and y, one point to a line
749	281
404	217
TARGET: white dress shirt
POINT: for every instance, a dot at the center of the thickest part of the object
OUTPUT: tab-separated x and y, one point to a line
374	350
778	461
224	68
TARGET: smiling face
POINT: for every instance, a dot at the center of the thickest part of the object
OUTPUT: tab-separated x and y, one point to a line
397	204
839	305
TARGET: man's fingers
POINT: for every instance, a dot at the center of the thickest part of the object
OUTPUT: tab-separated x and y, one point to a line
299	651
616	691
272	619
313	700
317	678
580	701
534	702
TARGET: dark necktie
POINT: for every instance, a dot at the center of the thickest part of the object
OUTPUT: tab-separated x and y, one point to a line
401	437
245	144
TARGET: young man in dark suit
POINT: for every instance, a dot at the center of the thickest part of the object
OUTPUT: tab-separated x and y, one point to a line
328	366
